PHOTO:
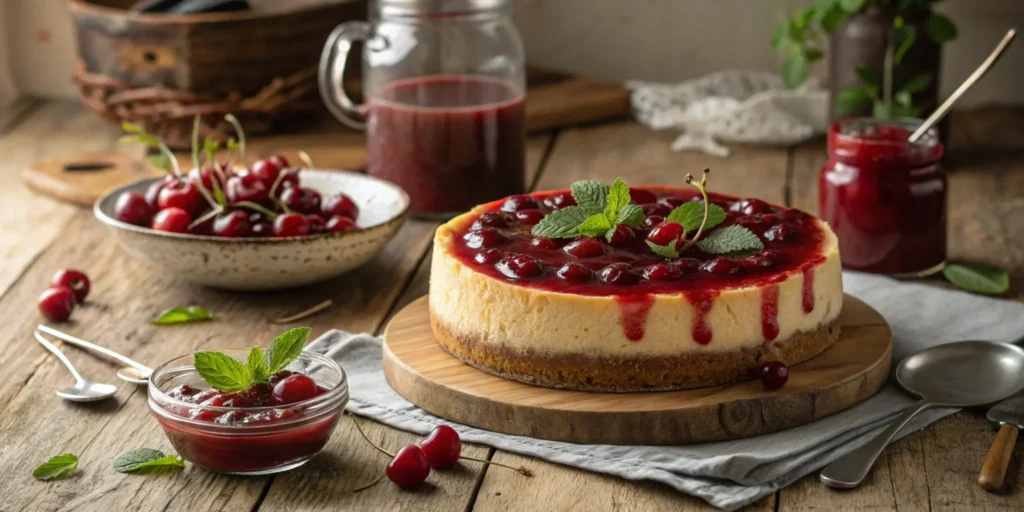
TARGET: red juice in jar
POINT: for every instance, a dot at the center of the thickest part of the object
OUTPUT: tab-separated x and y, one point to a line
451	141
885	197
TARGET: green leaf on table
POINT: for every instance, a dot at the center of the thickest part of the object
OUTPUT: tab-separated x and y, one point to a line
977	278
146	460
730	239
691	214
590	195
940	28
595	225
561	223
257	364
794	68
286	347
182	315
56	468
917	83
852	100
222	371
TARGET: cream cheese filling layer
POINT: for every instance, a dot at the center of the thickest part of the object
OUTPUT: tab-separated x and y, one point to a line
506	315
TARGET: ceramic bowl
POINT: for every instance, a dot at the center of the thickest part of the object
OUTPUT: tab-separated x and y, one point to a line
270	263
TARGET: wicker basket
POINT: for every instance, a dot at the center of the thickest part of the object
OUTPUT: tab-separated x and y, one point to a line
159	71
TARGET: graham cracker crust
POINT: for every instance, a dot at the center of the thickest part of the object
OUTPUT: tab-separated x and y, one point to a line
630	374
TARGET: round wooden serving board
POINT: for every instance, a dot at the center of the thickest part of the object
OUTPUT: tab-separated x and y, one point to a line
847	373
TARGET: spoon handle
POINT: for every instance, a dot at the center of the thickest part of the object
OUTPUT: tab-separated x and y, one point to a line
971	80
67	338
993	472
849	471
60	355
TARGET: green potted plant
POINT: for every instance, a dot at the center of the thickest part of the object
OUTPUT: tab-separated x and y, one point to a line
884	54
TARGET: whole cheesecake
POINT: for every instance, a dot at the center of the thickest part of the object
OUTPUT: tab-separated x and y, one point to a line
609	314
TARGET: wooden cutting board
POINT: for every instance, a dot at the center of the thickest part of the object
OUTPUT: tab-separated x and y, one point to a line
847	373
553	100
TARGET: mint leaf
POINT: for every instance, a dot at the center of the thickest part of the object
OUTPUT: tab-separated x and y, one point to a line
590	195
976	278
56	468
257	364
618	198
561	223
596	225
146	459
286	347
182	315
222	371
631	215
665	251
690	215
730	239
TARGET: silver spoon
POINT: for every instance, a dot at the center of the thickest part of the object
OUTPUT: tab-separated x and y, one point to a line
971	80
135	372
961	374
84	390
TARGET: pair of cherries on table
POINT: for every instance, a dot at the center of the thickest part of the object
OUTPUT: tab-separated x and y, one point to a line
68	289
265	200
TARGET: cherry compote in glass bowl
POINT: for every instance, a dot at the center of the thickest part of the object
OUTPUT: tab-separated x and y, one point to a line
255	432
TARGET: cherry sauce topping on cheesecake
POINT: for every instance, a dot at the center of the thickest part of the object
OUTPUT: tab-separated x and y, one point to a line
628	269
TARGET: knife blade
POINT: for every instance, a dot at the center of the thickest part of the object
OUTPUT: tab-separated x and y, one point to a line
1010	414
1009	411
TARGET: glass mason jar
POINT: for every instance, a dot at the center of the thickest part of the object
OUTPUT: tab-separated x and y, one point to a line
443	88
885	197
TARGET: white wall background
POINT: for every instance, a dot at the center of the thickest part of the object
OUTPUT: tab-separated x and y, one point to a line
663	40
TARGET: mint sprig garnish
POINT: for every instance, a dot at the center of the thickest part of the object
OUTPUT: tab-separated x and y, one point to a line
144	460
227	374
599	209
57	467
730	239
182	315
977	278
690	215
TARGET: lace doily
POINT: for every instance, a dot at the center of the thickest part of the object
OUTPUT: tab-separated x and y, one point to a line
732	106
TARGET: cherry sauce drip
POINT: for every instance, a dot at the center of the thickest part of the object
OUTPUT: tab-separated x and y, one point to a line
808	289
634	310
702	303
770	312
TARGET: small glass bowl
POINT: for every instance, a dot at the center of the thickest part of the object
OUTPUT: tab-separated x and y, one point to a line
259	448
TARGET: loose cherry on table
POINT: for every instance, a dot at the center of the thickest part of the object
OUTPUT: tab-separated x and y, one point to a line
442	446
409	468
57	303
172	220
76	280
773	374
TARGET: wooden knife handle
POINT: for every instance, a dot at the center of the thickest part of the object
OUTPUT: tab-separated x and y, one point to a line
993	472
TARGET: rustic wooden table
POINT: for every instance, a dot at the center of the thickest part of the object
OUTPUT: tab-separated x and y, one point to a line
934	469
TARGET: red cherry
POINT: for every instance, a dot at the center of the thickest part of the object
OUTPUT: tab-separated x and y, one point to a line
289	178
519	266
584	247
491	220
623	234
666	233
57	303
291	224
316	223
278	160
660	210
233	224
206	177
756	262
295	388
575	272
302	200
795	216
544	243
750	206
773	374
172	220
641	196
153	192
261	230
653	220
409	468
340	224
557	202
530	217
782	233
776	256
686	265
721	267
76	280
484	237
246	187
520	202
662	272
488	257
672	202
181	193
203	228
278	377
619	274
339	204
266	171
443	446
133	209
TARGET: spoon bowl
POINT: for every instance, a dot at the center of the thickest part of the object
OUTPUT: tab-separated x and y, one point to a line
87	392
133	375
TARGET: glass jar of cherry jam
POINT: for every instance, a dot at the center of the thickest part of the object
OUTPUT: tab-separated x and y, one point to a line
885	197
444	85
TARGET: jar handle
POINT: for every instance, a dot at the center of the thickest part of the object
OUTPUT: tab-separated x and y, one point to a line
332	72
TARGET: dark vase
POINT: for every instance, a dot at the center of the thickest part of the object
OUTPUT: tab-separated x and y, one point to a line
861	41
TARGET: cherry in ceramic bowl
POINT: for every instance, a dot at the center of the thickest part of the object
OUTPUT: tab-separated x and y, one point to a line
249	263
247	440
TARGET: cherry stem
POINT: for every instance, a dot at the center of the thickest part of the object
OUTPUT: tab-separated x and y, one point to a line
276	185
306	160
521	470
375	445
209	215
303	314
256	208
195	143
241	137
702	186
372	483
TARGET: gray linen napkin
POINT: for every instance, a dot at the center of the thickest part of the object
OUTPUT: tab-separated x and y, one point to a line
727	474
